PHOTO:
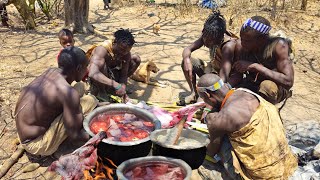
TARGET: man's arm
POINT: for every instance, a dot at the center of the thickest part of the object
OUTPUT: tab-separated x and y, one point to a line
194	46
186	57
216	127
285	74
72	114
97	62
227	59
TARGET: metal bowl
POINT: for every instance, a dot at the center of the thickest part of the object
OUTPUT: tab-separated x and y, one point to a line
193	155
121	151
131	163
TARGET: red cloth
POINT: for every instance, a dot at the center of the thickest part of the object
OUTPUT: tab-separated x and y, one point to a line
59	55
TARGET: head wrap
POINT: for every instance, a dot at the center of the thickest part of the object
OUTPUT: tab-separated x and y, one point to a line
262	28
216	86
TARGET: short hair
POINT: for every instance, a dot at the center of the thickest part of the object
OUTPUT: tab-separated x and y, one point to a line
258	19
70	58
65	32
215	25
124	36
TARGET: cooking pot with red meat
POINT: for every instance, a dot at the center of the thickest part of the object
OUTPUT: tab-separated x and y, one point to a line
127	127
155	168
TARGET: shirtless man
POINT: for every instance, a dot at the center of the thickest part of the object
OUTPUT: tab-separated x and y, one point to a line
264	61
250	127
221	44
111	63
49	110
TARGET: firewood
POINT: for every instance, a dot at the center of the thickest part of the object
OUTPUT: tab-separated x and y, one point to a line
11	161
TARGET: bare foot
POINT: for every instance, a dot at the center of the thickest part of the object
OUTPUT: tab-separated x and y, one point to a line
192	98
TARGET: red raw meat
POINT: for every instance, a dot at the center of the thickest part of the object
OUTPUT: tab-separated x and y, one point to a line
128	132
97	126
117	118
140	133
147	123
71	166
155	171
119	129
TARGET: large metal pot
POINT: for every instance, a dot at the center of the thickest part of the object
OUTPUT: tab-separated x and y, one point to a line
121	151
193	155
131	163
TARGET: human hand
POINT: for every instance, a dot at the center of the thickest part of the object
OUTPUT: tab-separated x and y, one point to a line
122	90
205	111
242	66
125	98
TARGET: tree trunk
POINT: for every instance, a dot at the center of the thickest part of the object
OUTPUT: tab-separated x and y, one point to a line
76	15
32	6
304	5
24	11
283	4
274	9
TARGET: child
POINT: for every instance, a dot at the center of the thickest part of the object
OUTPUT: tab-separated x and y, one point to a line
66	38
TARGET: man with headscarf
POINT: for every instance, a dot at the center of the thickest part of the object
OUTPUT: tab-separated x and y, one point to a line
263	61
246	132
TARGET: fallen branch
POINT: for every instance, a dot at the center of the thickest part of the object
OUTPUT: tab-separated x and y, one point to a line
28	168
95	31
11	161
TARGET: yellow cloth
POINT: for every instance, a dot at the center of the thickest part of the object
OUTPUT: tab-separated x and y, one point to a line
106	44
261	147
48	143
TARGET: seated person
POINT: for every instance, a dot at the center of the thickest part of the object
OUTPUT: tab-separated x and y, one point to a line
263	60
246	132
49	109
111	63
221	44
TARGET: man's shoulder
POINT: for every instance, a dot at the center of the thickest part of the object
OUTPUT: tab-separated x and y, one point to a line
240	99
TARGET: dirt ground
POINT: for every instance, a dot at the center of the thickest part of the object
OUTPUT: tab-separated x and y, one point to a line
25	55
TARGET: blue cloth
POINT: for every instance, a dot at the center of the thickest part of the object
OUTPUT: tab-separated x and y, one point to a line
213	4
209	4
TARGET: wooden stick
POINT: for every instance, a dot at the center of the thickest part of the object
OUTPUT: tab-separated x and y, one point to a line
179	129
174	133
11	161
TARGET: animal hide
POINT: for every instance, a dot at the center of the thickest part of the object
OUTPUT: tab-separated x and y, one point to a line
71	166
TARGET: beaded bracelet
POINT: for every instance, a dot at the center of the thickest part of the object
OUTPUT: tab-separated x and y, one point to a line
118	87
207	109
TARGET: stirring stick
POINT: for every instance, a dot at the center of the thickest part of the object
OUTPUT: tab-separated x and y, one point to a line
174	133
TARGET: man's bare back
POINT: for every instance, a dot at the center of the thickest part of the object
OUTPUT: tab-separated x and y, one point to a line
40	103
236	113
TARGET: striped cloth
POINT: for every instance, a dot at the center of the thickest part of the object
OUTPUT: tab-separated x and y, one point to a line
264	29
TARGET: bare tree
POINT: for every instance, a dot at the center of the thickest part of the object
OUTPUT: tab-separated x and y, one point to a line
274	9
24	12
32	6
76	15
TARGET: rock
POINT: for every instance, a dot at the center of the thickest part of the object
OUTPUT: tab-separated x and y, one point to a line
150	14
316	151
297	151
